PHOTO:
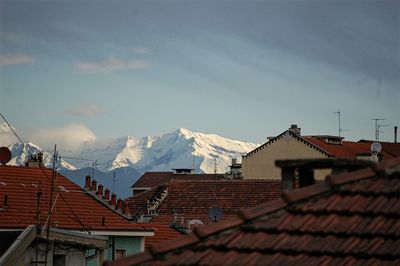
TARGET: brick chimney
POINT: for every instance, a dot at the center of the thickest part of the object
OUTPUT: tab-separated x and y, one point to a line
107	194
113	199
126	209
295	130
119	204
94	185
87	181
100	190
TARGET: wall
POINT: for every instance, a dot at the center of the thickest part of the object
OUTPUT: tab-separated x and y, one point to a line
261	164
75	256
131	244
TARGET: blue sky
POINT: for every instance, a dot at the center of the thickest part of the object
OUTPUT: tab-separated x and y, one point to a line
242	69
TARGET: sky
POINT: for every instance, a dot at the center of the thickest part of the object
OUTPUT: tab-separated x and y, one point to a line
73	71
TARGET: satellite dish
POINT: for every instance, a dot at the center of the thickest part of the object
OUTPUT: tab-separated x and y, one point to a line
195	222
5	155
376	147
215	214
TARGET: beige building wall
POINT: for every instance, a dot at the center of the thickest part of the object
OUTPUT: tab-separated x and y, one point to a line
261	164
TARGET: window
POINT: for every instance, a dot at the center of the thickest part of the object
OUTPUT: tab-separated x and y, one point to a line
120	253
59	260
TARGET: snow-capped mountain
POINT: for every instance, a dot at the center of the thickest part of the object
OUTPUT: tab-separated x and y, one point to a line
130	157
20	155
179	149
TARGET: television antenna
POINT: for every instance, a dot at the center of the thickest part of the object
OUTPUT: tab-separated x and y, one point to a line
377	127
340	129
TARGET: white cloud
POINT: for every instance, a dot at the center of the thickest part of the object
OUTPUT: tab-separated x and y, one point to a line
110	65
86	110
70	137
16	59
6	136
141	50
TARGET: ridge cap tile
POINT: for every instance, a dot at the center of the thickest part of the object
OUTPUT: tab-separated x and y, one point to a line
131	260
173	244
303	193
348	177
210	229
261	210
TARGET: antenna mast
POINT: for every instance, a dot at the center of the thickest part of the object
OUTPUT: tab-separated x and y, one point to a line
340	128
377	127
113	188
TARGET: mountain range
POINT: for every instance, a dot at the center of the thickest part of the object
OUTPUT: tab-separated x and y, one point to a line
130	157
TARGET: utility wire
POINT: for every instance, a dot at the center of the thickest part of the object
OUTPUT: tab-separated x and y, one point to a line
15	133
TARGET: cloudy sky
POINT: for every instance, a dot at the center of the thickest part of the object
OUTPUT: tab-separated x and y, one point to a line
73	70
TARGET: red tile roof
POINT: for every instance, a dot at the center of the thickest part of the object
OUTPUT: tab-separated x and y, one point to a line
153	179
348	149
193	198
389	147
162	233
349	219
74	208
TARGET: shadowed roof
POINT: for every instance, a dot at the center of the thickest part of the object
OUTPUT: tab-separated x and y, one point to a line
351	218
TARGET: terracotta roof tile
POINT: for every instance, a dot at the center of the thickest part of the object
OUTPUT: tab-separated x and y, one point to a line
354	223
74	208
192	199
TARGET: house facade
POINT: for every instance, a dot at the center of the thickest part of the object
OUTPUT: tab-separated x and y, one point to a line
260	163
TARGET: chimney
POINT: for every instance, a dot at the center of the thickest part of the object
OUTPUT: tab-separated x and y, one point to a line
100	190
94	185
395	134
107	194
295	130
113	199
87	181
40	158
126	209
119	204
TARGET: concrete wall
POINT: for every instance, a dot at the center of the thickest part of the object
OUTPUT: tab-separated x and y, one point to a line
132	245
261	164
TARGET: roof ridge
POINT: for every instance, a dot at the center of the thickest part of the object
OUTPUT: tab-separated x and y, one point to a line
250	153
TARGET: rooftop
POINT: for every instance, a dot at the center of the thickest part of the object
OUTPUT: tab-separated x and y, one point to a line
351	218
25	191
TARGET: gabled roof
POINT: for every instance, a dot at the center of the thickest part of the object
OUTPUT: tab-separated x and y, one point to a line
349	219
347	149
288	133
154	179
193	198
73	208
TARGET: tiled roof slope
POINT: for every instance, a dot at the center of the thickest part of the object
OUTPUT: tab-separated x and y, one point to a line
389	147
348	149
153	179
194	198
162	233
73	208
349	219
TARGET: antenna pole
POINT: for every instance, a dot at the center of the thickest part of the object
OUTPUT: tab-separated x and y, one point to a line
340	128
113	188
53	177
377	127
